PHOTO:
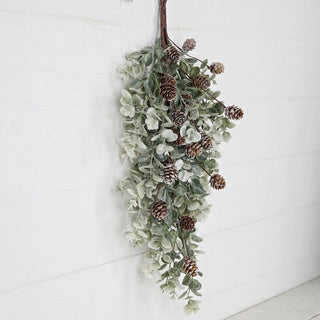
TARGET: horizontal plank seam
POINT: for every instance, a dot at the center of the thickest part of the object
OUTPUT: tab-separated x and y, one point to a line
280	157
297	262
131	256
271	298
99	265
46	194
271	217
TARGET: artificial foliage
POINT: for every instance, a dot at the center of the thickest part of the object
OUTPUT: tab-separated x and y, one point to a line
173	126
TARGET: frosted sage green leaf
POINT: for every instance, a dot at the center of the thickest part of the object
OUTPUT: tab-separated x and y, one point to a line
152	123
226	136
196	238
194	71
159	53
165	243
185	176
141	189
148	59
142	234
183	294
169	135
178	201
192	135
167	258
133	56
195	284
136	100
193	206
204	63
186	280
183	67
154	244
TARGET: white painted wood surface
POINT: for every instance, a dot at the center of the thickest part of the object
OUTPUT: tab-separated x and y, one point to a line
63	255
299	303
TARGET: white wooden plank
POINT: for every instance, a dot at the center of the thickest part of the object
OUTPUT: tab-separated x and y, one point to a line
302	302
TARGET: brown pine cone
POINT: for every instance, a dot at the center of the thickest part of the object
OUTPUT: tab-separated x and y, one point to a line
169	160
187	223
178	118
169	173
217	181
160	210
189	45
180	140
206	142
193	149
168	91
216	67
190	267
234	113
171	53
167	78
201	81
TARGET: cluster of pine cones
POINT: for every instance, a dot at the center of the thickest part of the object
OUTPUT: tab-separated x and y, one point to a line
168	171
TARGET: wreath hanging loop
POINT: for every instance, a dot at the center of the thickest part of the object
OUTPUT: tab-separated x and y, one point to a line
173	126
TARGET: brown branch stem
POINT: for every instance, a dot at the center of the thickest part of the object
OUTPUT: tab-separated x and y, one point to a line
185	74
185	243
214	98
175	107
186	53
201	166
163	24
156	198
194	123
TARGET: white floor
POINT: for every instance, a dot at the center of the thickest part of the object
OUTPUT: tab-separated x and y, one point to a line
301	303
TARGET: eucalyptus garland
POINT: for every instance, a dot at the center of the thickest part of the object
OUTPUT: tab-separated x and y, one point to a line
173	125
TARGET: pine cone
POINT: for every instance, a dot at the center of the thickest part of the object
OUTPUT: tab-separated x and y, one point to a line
206	142
193	149
190	267
167	78
216	67
160	210
234	113
171	53
180	140
178	118
168	161
187	223
201	81
169	173
168	91
217	181
189	45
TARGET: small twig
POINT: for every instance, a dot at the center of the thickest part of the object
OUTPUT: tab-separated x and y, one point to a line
158	191
183	51
175	107
185	74
163	24
185	243
194	123
214	98
205	170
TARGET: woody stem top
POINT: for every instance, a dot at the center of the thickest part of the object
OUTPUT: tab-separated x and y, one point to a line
163	24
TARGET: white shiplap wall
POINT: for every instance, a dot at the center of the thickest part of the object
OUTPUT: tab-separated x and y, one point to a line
63	255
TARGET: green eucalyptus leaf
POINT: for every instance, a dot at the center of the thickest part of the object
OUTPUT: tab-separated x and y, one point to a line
183	66
194	71
204	64
186	280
